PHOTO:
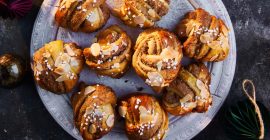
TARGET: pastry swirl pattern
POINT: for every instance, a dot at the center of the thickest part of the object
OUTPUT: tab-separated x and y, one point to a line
144	117
82	15
189	92
111	54
205	36
57	66
157	57
94	113
140	13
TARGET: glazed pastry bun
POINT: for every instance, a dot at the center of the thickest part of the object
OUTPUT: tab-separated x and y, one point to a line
144	117
110	55
140	13
94	113
205	36
82	15
57	66
189	92
157	57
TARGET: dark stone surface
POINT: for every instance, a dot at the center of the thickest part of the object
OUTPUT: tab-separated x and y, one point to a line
23	116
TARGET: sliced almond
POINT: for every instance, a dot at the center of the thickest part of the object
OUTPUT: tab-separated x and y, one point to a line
39	67
159	65
92	129
59	70
95	49
110	121
223	41
88	111
155	79
214	45
107	109
98	111
214	57
65	58
169	53
200	84
116	65
115	47
190	105
70	52
206	38
155	119
58	61
191	27
115	4
66	67
204	91
145	116
74	62
152	13
143	110
106	51
122	111
139	19
63	69
186	98
93	16
89	90
62	78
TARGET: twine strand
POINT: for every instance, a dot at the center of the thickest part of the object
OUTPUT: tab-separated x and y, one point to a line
252	98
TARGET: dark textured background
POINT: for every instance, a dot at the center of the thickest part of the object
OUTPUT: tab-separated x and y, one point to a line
23	116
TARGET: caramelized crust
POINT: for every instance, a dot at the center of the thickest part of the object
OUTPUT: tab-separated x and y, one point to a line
144	117
57	66
205	37
140	13
111	54
84	16
189	92
157	57
94	113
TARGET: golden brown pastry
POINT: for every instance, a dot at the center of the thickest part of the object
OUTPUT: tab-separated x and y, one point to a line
94	113
82	15
189	91
157	57
205	37
142	13
144	117
111	54
57	66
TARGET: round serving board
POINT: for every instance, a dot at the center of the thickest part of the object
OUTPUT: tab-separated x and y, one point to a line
186	127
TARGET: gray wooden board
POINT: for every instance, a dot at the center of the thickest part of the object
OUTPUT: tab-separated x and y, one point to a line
186	127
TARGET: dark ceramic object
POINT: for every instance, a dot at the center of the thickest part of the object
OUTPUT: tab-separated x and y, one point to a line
12	70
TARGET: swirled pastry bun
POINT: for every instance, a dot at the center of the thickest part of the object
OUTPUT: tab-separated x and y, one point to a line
189	92
157	57
57	66
205	36
144	117
94	113
140	13
82	15
111	54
